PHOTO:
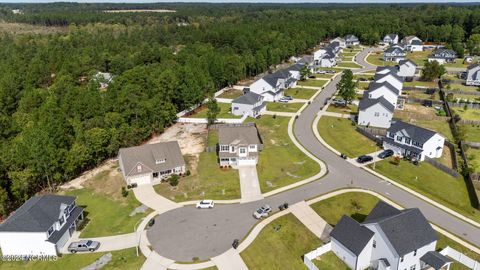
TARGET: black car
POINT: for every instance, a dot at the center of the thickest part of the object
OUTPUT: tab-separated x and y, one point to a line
386	153
364	158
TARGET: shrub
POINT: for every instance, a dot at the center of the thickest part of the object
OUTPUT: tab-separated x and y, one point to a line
124	192
396	160
188	173
173	180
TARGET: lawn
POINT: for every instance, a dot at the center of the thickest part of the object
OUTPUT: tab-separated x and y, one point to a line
431	182
301	93
420	84
364	76
457	64
421	94
282	248
312	82
202	111
473	156
376	59
330	261
350	109
349	65
122	259
232	94
324	76
467	114
207	179
340	133
466	98
280	162
459	86
472	132
363	85
108	212
419	57
284	107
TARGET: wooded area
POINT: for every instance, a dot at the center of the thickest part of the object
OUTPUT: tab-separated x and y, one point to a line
56	123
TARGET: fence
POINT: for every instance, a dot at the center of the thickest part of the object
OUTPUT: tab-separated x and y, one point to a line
472	144
413	115
461	258
418	88
367	132
462	92
411	100
217	126
464	104
442	167
307	258
469	122
453	154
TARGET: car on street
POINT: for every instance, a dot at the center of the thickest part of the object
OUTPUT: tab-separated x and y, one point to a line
386	153
205	204
288	97
364	158
84	245
339	102
283	100
330	71
321	72
262	212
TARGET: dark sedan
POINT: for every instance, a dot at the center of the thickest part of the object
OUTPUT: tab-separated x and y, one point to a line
364	158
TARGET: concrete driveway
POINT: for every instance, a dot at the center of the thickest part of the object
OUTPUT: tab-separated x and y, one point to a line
249	185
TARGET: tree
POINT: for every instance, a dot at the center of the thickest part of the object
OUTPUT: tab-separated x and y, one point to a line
432	70
213	110
473	44
346	86
305	72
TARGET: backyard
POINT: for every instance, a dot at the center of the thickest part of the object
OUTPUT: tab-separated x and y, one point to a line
460	86
300	93
425	84
377	60
330	261
202	111
466	113
363	85
231	94
419	57
473	156
312	82
284	107
472	132
324	76
421	94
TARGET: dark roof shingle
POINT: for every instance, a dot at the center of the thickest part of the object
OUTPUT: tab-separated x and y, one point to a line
351	234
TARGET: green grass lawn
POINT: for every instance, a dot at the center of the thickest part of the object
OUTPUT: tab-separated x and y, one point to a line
122	259
315	83
421	95
284	107
420	84
473	156
350	109
232	94
364	76
363	85
468	114
459	86
324	76
431	182
349	65
472	133
224	111
466	98
457	64
300	93
377	60
419	57
341	135
282	249
280	162
330	261
444	241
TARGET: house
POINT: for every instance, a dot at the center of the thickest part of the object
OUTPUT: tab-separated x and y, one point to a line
383	89
413	43
351	40
295	71
443	56
238	145
473	75
390	39
341	42
406	69
388	238
390	77
250	104
328	60
271	86
103	78
375	112
149	163
412	141
395	54
41	226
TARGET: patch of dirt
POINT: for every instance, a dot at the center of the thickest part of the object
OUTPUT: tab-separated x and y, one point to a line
190	137
77	183
108	182
416	108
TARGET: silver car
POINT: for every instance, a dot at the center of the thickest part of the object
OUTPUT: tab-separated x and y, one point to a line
262	212
84	245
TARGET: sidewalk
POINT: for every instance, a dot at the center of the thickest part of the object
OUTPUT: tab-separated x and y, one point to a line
230	260
312	220
147	195
334	114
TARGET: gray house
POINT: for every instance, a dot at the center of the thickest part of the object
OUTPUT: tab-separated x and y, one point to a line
41	226
151	163
443	56
390	39
250	104
395	54
407	69
473	75
238	145
351	40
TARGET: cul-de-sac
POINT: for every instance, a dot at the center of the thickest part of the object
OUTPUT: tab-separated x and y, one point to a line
223	135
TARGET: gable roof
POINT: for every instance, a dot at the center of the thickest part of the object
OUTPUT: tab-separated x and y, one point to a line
367	102
391	36
249	98
473	72
37	214
380	211
395	49
416	42
416	133
385	70
435	259
443	53
376	85
273	78
351	38
407	62
351	234
230	134
394	75
146	156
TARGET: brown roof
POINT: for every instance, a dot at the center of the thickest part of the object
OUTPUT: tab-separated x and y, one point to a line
238	135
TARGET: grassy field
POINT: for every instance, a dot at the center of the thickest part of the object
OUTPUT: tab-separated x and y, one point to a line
431	182
420	84
340	133
284	107
301	93
283	248
122	259
349	65
421	95
459	86
364	76
330	261
324	76
457	64
108	212
207	179
232	94
468	114
363	85
280	162
350	109
224	111
473	156
473	133
419	57
376	59
315	83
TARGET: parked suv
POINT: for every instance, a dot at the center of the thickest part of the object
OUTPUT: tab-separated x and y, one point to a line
84	245
262	212
364	158
386	153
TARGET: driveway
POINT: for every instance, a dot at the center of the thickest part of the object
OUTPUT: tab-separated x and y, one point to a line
249	184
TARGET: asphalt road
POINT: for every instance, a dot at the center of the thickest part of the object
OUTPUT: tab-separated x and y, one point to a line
184	233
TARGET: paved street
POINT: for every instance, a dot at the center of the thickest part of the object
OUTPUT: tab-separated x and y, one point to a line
184	233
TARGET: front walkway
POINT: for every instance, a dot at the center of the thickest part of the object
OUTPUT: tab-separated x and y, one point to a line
249	184
312	220
231	260
147	196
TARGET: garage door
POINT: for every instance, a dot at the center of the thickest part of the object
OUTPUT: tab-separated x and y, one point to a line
141	179
246	161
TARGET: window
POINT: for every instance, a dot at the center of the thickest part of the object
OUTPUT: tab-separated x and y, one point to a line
243	150
50	231
401	259
413	267
160	161
374	244
139	168
377	114
407	140
415	252
399	138
61	221
391	135
252	147
224	148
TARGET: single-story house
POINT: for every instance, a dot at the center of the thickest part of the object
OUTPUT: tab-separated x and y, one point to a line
390	39
443	56
473	75
149	163
407	68
351	40
41	226
250	104
413	141
395	54
238	145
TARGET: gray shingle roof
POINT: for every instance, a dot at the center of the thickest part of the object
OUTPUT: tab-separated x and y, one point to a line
380	211
407	61
391	36
367	102
249	98
395	50
393	74
389	69
416	42
351	234
351	38
273	78
56	235
435	259
473	72
148	155
238	135
416	133
375	85
37	214
443	53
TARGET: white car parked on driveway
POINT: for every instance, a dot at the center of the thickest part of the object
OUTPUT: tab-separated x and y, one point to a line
205	204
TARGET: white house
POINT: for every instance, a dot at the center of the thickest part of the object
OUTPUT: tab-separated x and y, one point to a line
473	75
250	104
272	86
391	78
103	78
328	60
351	40
395	54
341	42
41	226
413	43
149	163
384	89
406	68
375	112
388	239
390	39
412	141
443	56
238	145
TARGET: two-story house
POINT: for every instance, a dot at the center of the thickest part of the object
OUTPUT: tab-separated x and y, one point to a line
391	77
250	104
388	239
443	56
272	86
351	40
407	69
150	163
412	43
341	42
394	53
385	89
390	39
473	75
238	145
375	112
41	226
412	141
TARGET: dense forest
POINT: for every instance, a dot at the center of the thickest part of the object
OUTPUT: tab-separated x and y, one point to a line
56	123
